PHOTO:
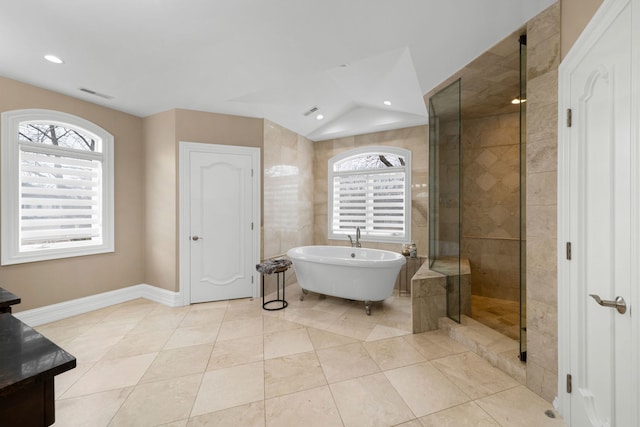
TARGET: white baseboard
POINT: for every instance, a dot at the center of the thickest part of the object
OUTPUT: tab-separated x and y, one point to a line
53	312
163	296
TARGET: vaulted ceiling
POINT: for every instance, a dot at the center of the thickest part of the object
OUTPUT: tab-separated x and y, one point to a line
276	59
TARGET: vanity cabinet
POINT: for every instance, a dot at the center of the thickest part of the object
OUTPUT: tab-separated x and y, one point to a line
28	364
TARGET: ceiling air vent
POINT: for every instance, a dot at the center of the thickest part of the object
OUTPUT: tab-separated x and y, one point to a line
311	111
93	92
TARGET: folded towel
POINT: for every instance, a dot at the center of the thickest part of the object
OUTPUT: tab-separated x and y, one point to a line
273	266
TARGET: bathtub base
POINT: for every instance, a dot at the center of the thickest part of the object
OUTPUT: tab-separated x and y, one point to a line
367	303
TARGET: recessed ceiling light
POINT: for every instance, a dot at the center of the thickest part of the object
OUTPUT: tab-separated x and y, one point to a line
517	101
319	117
54	59
387	103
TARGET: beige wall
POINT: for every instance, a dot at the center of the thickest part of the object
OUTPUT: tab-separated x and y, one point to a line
162	134
491	204
213	128
414	139
146	218
543	58
161	177
47	282
575	14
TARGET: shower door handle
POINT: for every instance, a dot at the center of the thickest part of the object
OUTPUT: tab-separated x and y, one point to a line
619	304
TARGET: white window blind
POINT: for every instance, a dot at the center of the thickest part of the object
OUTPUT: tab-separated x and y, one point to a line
59	200
370	190
374	202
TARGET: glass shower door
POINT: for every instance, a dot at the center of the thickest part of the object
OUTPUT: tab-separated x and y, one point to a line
444	191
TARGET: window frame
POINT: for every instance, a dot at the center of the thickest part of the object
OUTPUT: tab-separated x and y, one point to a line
375	150
10	186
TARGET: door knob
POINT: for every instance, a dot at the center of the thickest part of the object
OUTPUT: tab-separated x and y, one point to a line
196	238
619	304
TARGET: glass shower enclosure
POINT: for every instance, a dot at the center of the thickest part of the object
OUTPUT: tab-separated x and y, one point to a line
449	253
444	191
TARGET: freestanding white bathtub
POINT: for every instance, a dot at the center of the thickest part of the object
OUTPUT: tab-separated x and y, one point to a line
360	274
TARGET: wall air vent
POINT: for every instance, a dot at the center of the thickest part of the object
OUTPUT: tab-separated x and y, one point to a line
93	92
311	111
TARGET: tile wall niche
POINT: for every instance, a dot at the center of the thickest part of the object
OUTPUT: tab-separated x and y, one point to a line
491	204
414	139
288	194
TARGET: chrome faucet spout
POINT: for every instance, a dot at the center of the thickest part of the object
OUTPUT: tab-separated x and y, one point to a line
355	244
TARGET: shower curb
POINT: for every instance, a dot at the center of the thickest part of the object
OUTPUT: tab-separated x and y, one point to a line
499	350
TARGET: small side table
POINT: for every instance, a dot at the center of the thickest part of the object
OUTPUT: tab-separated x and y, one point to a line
277	267
7	299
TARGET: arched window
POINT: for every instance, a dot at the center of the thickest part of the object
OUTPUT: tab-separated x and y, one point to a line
57	187
369	188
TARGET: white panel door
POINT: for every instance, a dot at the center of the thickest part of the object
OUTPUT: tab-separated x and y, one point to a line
222	226
599	226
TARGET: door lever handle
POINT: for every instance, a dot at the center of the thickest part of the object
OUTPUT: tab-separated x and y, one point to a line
619	304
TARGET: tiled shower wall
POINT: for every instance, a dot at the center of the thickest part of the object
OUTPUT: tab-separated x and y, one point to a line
491	204
447	214
543	46
414	139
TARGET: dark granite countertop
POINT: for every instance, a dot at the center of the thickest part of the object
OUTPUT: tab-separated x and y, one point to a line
8	298
26	354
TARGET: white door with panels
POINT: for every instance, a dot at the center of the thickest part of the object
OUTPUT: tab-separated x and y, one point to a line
599	218
220	223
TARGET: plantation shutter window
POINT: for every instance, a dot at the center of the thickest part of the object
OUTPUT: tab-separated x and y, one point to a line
57	198
369	189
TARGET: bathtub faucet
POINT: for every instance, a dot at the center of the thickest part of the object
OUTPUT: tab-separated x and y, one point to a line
355	244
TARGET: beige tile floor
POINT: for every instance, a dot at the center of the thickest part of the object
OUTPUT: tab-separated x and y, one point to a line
320	362
499	314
